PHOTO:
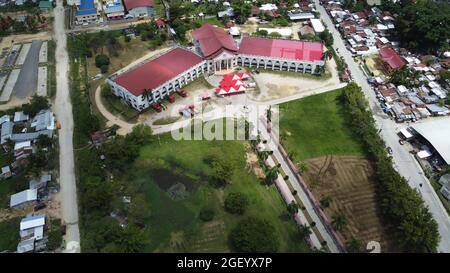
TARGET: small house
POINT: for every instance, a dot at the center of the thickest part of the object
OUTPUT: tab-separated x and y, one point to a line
32	226
23	199
20	117
6	172
26	246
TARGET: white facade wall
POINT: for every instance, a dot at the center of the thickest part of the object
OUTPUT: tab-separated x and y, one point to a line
277	63
142	11
160	92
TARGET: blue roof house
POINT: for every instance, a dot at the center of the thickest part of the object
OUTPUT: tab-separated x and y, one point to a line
114	9
87	12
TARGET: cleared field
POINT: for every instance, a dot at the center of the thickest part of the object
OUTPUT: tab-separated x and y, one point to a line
348	180
315	126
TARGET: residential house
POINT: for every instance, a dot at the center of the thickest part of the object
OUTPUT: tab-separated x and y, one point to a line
298	15
45	6
20	117
229	12
23	199
26	246
22	149
6	131
44	120
140	8
41	183
114	10
6	172
32	226
391	60
87	12
306	30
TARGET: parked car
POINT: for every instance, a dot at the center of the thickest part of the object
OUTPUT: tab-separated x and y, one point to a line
182	93
389	150
40	206
157	107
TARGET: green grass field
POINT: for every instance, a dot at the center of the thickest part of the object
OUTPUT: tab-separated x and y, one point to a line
315	126
9	234
174	225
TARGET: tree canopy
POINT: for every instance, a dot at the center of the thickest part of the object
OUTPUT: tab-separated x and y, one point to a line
254	235
424	25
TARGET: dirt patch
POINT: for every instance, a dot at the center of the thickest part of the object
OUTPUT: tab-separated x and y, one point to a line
348	180
210	238
252	162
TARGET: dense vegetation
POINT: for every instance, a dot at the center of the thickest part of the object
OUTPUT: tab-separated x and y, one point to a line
422	25
9	234
254	235
416	229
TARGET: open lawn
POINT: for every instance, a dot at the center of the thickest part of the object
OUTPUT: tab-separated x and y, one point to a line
315	126
125	54
9	234
175	175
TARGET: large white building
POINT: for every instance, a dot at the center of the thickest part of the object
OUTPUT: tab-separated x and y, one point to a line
215	51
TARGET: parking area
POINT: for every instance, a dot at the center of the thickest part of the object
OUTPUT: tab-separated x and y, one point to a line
9	87
11	56
43	53
42	81
20	75
23	54
27	81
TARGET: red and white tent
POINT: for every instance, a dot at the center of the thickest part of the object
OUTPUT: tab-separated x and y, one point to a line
243	75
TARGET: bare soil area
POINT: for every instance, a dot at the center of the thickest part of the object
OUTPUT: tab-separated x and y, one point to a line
348	180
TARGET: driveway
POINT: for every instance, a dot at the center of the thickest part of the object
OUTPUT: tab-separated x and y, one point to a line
405	164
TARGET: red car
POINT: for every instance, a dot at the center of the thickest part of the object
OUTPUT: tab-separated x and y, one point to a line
157	107
182	93
171	99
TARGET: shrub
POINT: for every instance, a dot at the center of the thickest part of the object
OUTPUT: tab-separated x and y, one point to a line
236	203
104	69
254	235
206	214
101	60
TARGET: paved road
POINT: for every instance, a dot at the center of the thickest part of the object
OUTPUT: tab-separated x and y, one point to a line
27	82
63	111
405	164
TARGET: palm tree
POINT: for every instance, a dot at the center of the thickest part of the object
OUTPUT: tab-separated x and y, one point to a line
147	94
325	201
293	208
272	174
304	231
339	221
269	114
354	245
302	167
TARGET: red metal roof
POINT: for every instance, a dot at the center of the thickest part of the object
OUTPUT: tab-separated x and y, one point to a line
131	4
158	71
389	56
213	40
287	49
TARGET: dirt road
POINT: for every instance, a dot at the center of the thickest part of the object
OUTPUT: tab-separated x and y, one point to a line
63	111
